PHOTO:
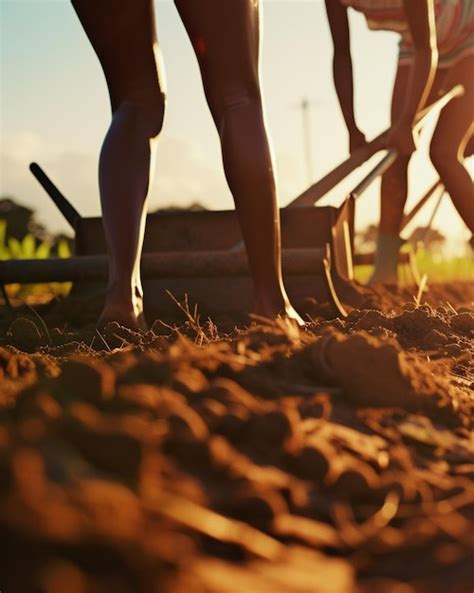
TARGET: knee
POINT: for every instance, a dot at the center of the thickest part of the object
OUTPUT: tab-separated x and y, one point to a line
469	148
233	97
144	110
240	96
443	156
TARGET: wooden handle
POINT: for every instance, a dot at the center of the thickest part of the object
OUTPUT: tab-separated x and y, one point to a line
392	153
419	205
63	204
378	170
314	193
317	191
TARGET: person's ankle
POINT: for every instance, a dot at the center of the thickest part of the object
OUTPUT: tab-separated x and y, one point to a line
123	294
386	259
270	302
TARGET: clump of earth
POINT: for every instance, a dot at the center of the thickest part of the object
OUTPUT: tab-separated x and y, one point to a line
217	457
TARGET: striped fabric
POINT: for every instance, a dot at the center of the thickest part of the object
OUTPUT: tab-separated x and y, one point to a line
454	25
386	15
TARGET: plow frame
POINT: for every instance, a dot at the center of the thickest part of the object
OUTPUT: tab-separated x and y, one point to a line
200	254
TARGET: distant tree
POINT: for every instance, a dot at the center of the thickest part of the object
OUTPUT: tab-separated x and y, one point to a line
18	218
193	207
21	221
367	238
430	238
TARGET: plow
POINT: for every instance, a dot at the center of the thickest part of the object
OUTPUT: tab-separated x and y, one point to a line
200	254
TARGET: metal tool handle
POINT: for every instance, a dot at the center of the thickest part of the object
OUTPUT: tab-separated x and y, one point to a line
63	204
379	169
432	217
392	154
319	189
422	201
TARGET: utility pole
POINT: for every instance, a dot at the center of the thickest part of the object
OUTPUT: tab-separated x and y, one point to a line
305	107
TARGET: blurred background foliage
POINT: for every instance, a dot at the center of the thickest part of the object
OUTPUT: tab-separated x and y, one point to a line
23	237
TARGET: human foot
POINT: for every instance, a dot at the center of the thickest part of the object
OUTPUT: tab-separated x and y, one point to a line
125	317
277	308
291	314
125	311
386	259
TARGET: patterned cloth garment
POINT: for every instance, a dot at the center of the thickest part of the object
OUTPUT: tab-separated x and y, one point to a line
454	26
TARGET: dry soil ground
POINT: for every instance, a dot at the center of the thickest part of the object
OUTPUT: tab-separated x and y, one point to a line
197	458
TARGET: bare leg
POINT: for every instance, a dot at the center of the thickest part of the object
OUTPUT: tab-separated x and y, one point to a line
123	36
469	150
225	37
451	136
394	189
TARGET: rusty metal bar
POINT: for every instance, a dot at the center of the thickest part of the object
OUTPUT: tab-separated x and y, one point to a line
423	200
203	264
319	189
432	217
392	154
379	169
63	204
360	156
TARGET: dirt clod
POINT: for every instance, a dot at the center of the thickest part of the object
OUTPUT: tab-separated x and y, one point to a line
224	458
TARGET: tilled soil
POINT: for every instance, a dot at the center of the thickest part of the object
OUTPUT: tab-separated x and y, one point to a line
214	459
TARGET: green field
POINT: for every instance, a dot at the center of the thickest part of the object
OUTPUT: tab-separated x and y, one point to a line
436	268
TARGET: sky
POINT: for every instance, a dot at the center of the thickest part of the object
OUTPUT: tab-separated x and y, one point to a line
54	109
